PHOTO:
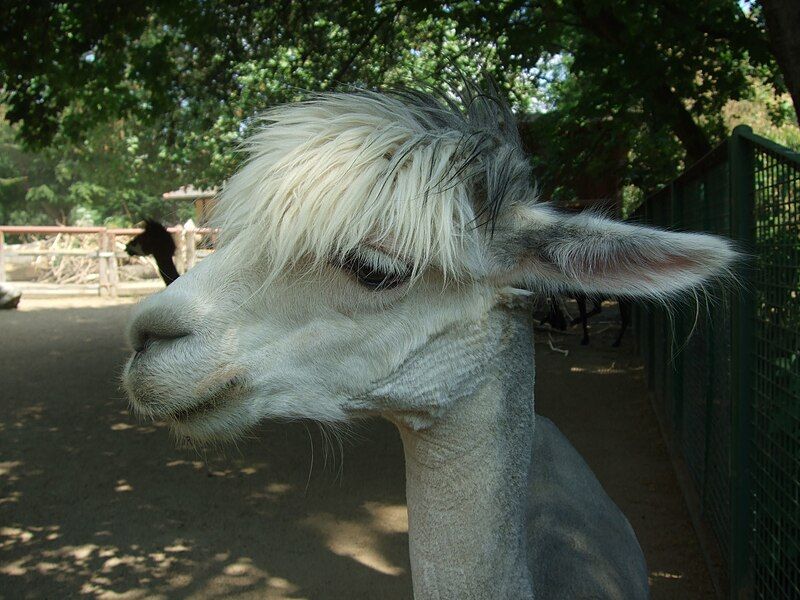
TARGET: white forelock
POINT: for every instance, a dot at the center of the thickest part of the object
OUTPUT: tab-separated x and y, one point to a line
405	172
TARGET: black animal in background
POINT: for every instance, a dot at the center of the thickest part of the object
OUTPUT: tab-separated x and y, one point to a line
625	309
556	315
157	242
557	320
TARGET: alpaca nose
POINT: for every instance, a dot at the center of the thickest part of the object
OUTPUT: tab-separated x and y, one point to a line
143	339
157	324
132	249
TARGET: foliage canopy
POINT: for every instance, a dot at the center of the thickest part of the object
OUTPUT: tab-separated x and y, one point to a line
126	100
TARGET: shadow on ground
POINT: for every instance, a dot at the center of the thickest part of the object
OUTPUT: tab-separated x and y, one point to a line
95	503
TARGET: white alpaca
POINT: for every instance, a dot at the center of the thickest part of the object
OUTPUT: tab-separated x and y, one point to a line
367	246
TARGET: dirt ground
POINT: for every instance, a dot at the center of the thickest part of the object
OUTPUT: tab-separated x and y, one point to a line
96	504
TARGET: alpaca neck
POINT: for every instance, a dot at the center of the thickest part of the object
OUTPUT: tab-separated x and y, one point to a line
467	477
166	267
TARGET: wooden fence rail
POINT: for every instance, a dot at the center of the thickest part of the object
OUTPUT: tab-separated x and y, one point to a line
106	254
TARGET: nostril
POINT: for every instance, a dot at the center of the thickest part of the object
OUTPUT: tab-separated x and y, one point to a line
145	338
142	344
161	320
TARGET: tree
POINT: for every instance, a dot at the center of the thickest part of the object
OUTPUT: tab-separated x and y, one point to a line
160	94
783	24
674	63
114	176
632	89
623	77
197	73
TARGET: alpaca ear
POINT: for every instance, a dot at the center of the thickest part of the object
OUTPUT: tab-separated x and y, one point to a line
587	253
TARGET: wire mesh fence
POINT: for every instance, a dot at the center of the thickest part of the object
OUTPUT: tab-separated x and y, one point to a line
725	371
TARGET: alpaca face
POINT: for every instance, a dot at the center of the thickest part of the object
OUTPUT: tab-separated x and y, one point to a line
215	356
154	240
363	246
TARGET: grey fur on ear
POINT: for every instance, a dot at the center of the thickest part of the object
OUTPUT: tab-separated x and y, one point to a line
591	254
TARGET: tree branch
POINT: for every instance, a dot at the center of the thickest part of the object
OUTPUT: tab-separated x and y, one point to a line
368	39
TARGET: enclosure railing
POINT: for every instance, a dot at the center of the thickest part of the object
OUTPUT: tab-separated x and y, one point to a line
106	255
726	378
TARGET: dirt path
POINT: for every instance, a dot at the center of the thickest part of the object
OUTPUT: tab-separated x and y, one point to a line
598	397
94	504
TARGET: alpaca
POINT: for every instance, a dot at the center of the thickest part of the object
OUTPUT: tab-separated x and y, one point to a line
557	315
625	309
156	240
370	254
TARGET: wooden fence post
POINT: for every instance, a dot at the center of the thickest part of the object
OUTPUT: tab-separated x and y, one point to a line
113	273
180	250
2	257
191	247
102	265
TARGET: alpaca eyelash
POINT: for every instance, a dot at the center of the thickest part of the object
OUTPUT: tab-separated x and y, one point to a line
375	271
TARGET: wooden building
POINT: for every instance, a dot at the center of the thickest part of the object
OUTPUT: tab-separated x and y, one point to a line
204	201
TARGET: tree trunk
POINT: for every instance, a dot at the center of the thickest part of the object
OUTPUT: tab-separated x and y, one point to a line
668	106
783	30
663	102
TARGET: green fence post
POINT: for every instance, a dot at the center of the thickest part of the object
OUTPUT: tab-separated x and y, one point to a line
650	317
742	186
708	387
676	197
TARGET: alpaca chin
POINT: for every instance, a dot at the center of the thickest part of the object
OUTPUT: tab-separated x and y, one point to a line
220	412
224	425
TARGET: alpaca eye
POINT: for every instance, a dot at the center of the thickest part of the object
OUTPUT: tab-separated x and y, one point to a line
373	277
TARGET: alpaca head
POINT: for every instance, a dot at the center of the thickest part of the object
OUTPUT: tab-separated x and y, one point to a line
363	244
154	240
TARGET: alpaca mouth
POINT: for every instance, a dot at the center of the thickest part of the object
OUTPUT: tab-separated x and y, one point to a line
220	398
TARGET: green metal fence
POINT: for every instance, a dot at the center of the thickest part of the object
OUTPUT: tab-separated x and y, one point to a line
726	379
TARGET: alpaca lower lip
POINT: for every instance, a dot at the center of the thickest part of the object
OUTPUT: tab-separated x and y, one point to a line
219	398
189	414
